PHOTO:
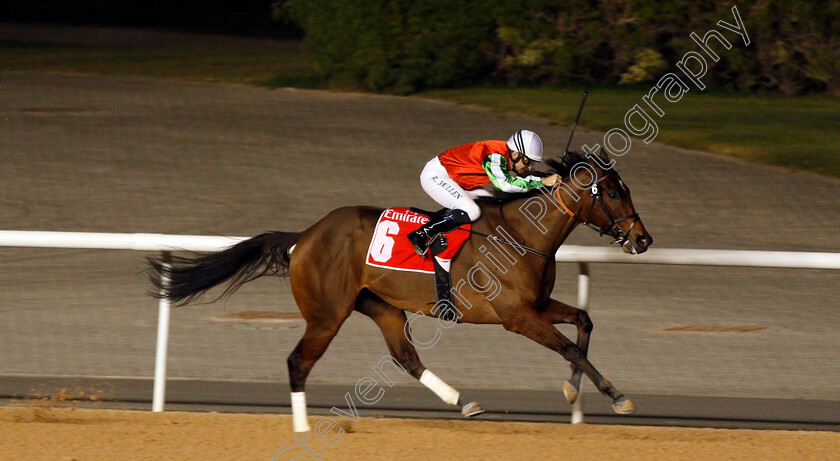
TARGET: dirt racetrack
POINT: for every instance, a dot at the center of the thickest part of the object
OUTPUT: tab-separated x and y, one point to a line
39	433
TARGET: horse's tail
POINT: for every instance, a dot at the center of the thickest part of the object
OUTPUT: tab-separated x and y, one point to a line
183	280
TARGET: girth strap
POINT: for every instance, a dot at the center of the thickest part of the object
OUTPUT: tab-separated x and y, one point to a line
443	281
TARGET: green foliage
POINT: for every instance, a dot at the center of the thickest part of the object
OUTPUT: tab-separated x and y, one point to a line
796	46
648	65
397	45
405	46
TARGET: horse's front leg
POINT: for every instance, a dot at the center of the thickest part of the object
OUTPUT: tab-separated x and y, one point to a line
557	312
529	323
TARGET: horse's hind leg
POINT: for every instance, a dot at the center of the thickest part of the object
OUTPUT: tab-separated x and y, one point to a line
320	330
531	324
392	323
557	312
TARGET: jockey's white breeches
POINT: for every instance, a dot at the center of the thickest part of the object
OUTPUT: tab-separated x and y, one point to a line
442	189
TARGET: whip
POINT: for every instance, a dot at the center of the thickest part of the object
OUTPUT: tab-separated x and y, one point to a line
577	119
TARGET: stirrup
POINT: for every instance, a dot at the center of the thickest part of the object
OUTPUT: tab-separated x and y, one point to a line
416	238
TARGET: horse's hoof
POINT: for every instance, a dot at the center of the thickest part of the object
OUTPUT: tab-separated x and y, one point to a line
570	391
624	406
472	409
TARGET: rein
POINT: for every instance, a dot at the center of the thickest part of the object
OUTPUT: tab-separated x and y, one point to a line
507	242
621	237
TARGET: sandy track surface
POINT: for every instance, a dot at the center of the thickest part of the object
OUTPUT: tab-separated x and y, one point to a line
38	433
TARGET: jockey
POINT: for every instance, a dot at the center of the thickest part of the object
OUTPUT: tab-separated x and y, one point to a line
454	179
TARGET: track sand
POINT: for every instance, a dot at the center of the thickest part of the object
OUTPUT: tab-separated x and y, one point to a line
40	433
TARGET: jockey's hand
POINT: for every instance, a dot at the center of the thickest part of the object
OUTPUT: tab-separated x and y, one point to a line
552	180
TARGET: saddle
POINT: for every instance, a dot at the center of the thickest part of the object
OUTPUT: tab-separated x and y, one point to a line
391	249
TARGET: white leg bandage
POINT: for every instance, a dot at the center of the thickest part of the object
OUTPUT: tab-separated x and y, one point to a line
301	424
443	390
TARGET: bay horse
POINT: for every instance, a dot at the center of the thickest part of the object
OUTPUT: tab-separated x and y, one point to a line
329	278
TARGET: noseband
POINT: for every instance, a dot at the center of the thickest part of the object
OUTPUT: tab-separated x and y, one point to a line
621	237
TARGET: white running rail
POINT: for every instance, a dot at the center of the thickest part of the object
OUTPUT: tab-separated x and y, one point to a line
139	242
567	254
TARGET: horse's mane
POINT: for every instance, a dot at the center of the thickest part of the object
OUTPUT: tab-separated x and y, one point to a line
563	167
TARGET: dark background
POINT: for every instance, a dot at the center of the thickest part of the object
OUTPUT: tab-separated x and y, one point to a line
405	46
242	17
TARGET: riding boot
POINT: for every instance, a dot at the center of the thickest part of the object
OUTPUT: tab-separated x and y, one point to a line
440	222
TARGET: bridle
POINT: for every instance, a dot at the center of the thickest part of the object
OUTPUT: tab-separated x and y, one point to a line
621	237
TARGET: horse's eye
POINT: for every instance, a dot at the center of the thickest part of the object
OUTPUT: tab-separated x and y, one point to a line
613	195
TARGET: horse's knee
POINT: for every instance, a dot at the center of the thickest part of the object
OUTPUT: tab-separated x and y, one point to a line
585	322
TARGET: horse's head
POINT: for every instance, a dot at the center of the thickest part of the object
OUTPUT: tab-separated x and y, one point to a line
601	199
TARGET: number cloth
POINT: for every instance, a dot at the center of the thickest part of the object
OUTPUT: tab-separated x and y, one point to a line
390	248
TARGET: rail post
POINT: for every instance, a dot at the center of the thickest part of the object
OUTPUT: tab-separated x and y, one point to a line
583	303
159	393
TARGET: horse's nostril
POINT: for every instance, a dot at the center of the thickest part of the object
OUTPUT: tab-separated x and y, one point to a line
644	241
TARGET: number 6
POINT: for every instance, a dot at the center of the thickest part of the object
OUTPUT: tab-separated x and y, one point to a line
383	245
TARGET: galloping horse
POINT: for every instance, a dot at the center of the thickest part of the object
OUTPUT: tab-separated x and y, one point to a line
329	277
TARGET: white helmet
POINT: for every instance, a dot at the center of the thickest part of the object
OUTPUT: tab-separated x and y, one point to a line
527	142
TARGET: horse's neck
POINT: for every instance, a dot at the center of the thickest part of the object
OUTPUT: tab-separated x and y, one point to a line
544	234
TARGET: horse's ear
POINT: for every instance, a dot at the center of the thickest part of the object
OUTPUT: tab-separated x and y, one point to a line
604	155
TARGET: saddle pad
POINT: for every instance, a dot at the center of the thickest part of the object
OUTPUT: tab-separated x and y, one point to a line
390	248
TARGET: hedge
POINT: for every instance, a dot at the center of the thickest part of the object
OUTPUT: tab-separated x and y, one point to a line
405	46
